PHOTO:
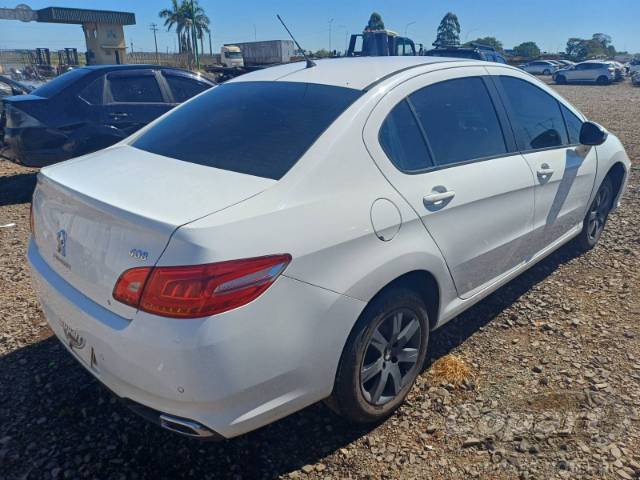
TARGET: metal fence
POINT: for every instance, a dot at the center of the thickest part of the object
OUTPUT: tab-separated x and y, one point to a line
19	59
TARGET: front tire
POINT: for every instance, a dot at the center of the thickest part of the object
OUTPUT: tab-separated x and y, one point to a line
383	356
546	72
561	80
596	217
602	80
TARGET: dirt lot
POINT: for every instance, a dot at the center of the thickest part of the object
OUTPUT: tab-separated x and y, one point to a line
554	393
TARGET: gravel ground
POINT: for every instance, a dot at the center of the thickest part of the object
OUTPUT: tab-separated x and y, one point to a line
554	393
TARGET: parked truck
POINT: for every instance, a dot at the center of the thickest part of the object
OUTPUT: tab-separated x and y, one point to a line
267	52
380	43
239	58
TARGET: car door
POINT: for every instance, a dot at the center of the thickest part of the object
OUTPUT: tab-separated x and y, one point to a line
547	133
134	98
439	138
183	86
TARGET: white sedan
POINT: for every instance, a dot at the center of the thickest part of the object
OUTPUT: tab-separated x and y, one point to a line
540	67
294	235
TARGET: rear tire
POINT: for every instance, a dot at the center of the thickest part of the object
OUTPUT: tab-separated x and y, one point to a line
382	358
546	72
596	217
561	80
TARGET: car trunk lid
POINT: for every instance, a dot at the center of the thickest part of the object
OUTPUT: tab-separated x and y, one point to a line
99	215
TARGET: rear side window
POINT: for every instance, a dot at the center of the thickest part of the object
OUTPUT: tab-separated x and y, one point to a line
55	86
135	88
535	115
459	120
574	125
402	141
183	88
256	128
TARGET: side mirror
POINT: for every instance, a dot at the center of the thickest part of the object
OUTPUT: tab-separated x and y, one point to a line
592	134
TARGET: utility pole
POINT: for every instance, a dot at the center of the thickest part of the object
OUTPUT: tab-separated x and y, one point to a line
154	28
255	33
330	24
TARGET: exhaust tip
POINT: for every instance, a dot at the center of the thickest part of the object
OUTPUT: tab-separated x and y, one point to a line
183	426
179	425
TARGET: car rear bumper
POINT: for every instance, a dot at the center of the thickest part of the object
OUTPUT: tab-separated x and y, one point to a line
34	147
231	373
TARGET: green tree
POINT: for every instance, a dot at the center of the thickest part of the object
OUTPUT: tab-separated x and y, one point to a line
599	45
322	53
527	49
197	20
375	22
176	16
190	22
490	41
448	32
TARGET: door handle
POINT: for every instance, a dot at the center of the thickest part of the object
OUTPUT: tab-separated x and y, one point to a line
438	197
117	115
545	170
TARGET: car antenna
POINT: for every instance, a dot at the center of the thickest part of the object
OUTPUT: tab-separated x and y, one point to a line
310	63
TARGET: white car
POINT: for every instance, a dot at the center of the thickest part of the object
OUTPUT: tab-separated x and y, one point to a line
294	234
540	67
591	71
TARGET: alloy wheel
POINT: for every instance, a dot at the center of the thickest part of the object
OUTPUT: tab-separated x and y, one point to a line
390	356
598	213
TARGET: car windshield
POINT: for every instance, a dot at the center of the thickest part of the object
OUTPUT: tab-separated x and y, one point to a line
233	54
256	128
55	86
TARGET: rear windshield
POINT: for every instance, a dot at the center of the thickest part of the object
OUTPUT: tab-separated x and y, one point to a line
257	128
55	86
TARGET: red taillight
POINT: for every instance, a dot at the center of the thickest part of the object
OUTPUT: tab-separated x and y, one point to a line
129	286
199	290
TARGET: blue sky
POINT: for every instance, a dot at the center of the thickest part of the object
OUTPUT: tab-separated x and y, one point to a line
547	22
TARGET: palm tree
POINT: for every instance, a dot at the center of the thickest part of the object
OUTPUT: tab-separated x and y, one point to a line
197	20
176	15
190	21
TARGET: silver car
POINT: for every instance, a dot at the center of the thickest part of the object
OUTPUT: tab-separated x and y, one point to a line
600	72
540	67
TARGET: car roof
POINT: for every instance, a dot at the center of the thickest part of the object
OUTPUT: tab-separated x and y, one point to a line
350	72
130	66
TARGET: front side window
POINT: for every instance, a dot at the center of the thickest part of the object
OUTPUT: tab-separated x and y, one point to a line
535	115
574	125
459	120
256	128
141	88
402	141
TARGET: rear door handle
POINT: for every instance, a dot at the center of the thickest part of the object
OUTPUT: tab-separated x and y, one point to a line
545	170
117	115
438	197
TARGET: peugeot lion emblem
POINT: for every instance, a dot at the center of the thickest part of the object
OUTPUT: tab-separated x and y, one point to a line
61	247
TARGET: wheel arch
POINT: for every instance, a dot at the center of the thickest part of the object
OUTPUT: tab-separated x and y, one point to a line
618	174
422	282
